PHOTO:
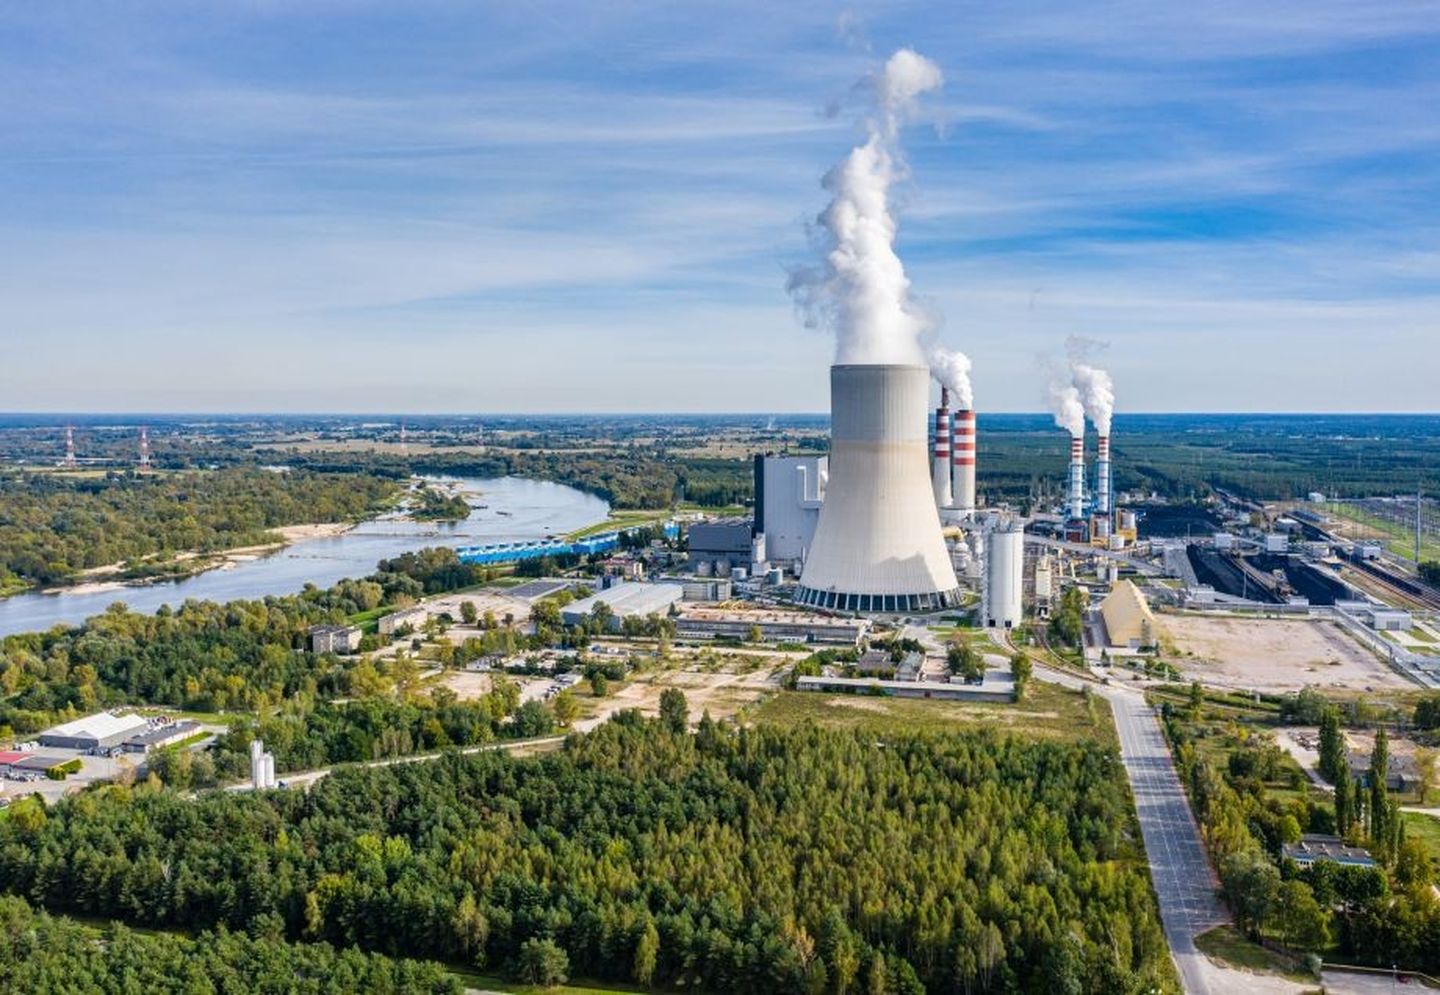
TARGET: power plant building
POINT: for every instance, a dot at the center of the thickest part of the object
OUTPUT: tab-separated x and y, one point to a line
788	493
625	600
878	543
724	543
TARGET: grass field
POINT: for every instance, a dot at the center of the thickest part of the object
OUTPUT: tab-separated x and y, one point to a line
1399	539
1048	712
1226	945
620	520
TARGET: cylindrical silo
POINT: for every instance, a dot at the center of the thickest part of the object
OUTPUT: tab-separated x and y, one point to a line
1004	577
878	545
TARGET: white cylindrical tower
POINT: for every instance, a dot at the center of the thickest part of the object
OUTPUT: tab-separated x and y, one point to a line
878	545
1004	577
965	462
1102	476
940	467
1077	477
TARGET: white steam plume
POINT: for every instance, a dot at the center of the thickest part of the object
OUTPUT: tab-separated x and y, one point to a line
1096	390
1063	400
859	289
951	369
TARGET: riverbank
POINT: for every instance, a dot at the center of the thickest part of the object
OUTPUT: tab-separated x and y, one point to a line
101	580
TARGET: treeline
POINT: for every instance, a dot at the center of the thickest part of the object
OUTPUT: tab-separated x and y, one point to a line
633	477
1379	915
44	955
53	526
304	735
204	656
731	860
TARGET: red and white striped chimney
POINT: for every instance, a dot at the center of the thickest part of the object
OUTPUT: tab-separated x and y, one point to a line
940	466
965	462
1077	476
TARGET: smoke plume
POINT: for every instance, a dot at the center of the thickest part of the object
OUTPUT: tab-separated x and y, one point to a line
859	289
951	369
1096	390
1063	399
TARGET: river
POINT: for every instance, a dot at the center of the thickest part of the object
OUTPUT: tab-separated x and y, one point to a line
513	509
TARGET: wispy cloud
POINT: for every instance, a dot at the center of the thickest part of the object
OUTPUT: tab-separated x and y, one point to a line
619	187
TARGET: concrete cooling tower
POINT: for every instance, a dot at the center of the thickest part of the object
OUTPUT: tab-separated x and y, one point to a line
878	545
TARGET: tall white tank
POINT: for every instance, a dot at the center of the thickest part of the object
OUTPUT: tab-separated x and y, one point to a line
1004	577
965	462
878	545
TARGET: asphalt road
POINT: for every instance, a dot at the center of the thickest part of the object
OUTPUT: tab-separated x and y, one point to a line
1179	867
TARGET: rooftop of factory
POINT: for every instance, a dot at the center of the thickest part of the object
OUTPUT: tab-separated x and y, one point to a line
101	725
164	733
629	598
734	611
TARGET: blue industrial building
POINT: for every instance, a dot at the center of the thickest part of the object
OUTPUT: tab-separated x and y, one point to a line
512	552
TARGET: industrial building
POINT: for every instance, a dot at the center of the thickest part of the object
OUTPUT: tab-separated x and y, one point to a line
159	736
993	690
1129	623
96	733
413	617
1003	604
878	544
1314	847
774	626
721	545
625	600
789	491
27	766
340	639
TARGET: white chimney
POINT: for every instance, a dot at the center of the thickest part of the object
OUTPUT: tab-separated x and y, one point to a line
1077	476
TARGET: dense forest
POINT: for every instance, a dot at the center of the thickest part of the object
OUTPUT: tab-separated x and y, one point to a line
734	859
45	955
53	526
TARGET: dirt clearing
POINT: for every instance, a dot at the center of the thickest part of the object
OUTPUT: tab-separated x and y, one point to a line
1267	654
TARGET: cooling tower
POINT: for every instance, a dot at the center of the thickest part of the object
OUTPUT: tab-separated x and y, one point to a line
878	545
965	462
940	467
1077	477
1102	477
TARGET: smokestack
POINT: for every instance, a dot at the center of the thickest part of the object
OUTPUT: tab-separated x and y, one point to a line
878	545
1102	477
940	468
965	462
1077	476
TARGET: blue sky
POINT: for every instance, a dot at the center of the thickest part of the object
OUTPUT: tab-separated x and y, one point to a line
457	206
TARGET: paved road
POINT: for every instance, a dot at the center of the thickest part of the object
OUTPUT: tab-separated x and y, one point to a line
1179	866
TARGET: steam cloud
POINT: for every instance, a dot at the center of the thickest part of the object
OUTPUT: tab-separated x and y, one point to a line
1094	386
951	369
1063	399
859	289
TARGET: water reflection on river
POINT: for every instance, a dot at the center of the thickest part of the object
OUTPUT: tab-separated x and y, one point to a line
513	509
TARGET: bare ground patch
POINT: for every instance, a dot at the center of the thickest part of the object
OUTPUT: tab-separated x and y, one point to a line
1265	654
